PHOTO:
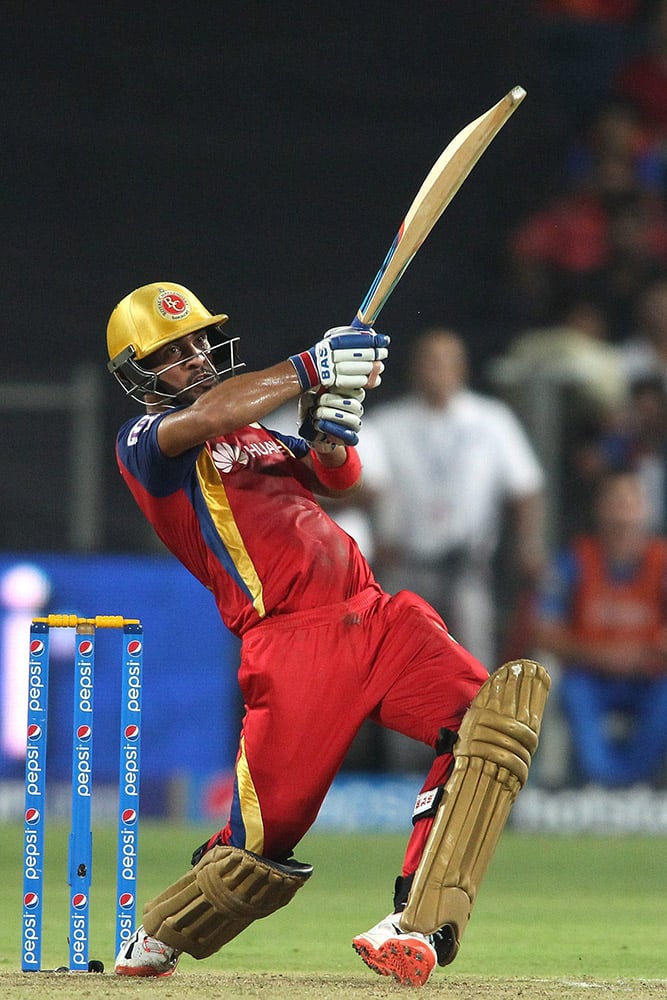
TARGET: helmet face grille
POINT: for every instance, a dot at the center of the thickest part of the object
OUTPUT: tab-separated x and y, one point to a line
146	386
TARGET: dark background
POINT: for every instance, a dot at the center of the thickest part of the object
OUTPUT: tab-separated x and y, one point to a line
262	154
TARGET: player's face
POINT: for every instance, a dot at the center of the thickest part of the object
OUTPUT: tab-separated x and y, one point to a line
184	366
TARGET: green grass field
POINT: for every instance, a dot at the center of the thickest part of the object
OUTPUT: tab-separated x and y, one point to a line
559	913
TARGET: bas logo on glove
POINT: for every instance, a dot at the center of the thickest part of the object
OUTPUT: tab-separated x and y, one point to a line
343	359
324	363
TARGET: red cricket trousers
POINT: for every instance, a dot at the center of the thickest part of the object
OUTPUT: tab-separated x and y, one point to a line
309	681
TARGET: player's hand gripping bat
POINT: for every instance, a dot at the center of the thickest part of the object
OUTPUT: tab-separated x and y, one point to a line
443	181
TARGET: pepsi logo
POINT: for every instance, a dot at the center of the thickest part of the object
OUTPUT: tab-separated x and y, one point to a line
129	816
34	731
32	816
79	900
133	647
126	900
85	647
131	732
30	900
84	732
36	647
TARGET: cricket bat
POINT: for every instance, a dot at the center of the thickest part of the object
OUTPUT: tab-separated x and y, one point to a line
441	184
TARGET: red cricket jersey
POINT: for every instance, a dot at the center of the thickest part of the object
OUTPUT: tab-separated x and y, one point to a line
237	514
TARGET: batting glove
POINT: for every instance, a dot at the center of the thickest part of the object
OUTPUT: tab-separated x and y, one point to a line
331	418
343	359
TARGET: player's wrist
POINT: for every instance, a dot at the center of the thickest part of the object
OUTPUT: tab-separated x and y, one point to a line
329	457
340	476
306	370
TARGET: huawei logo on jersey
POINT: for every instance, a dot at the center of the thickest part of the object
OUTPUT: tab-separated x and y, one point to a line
228	457
232	457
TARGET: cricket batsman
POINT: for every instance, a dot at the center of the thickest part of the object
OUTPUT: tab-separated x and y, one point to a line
323	647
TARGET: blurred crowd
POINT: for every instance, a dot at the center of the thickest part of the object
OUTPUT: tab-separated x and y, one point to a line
531	510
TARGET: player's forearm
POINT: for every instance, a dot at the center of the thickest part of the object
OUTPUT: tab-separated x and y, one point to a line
247	397
226	407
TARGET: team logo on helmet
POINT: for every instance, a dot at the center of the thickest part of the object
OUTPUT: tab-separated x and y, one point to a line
172	305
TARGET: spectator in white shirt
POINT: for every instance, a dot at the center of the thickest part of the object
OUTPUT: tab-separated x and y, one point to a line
458	460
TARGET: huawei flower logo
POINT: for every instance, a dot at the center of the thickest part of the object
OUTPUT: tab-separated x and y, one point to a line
228	457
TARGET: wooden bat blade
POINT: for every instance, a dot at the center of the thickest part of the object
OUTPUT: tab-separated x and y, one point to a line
441	184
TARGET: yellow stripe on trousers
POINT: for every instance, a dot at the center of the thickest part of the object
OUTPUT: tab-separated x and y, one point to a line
251	812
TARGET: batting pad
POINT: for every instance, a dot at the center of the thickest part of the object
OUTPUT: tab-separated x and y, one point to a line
220	897
492	756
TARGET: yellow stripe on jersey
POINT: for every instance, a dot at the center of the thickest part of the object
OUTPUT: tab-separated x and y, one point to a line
251	812
222	517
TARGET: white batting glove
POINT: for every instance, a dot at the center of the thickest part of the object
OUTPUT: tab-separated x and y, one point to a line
344	359
331	418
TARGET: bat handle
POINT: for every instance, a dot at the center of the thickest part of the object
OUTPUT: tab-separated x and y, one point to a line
358	325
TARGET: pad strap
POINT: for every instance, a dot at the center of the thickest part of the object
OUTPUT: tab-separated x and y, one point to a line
427	804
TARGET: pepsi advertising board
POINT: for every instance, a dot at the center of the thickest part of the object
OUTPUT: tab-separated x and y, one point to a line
189	694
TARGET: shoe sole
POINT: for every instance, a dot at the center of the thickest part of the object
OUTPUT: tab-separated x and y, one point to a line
146	971
409	961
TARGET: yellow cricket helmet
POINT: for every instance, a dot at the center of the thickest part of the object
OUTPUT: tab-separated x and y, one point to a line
147	319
